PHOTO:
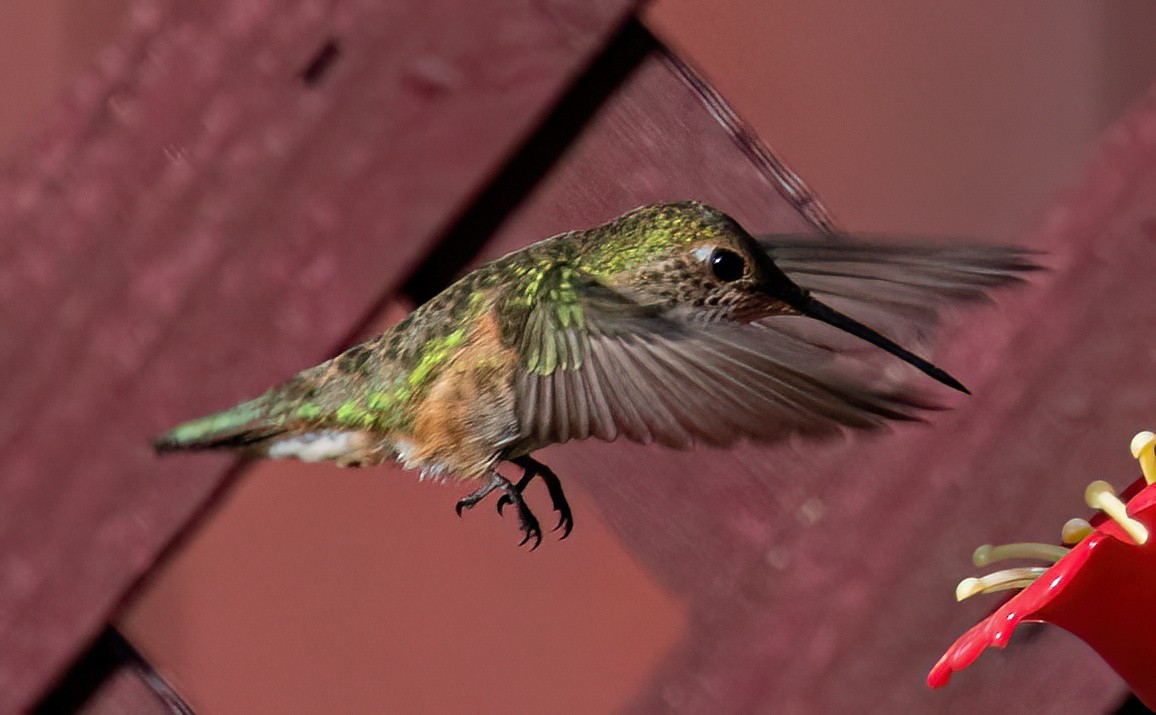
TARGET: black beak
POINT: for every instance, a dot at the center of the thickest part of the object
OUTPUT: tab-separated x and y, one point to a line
814	309
782	287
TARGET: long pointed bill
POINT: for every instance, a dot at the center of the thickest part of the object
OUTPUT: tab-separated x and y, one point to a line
814	309
779	285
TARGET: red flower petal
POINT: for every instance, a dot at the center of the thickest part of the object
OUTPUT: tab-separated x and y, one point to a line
1104	591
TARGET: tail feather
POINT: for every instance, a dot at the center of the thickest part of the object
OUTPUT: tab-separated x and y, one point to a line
244	425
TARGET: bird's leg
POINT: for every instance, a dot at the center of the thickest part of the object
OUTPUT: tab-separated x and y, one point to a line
526	519
533	468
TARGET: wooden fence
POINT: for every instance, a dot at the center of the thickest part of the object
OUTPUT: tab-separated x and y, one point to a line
244	184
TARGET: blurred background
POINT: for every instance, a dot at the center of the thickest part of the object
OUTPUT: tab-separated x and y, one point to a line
299	595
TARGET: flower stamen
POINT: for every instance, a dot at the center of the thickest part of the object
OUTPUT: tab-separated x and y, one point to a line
998	581
1144	449
988	554
1008	578
1100	495
1101	588
1075	530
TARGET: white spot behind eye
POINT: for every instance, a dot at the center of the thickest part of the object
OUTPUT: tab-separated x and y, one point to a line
703	253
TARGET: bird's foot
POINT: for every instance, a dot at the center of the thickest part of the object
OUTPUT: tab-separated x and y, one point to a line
533	468
526	519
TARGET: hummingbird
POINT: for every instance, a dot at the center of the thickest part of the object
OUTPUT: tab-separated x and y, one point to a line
669	324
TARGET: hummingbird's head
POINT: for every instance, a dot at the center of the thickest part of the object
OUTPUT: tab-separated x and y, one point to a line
690	256
693	256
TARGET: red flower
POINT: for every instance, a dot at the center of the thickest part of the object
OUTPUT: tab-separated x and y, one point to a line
1102	590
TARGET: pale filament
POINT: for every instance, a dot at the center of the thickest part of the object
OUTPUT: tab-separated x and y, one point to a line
1100	495
998	581
988	554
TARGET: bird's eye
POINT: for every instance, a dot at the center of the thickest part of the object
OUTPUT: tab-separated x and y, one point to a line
727	265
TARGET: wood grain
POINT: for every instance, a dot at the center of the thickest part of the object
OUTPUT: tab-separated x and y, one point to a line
200	222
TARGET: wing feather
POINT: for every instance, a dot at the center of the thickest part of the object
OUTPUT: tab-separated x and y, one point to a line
909	281
654	376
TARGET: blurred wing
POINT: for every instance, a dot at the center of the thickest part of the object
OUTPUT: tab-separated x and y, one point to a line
596	363
879	280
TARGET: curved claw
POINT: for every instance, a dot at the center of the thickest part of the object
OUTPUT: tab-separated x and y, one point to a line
468	501
531	532
526	519
565	523
534	468
512	495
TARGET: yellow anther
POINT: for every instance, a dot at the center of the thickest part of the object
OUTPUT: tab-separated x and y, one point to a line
982	556
1074	530
998	581
1100	495
967	588
1144	449
987	553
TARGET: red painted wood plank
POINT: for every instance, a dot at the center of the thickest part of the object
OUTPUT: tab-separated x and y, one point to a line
201	222
820	576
